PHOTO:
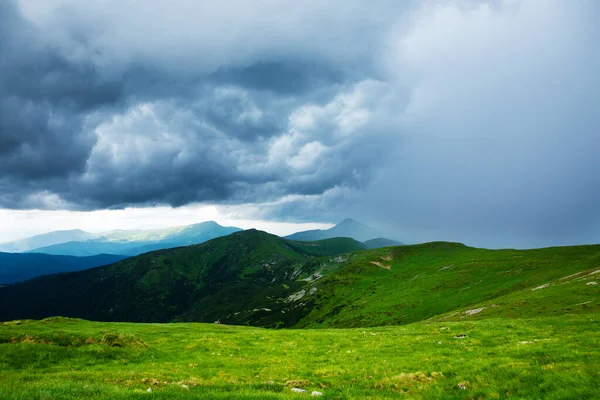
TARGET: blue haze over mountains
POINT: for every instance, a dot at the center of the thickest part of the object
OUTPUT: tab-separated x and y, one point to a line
74	250
79	243
124	243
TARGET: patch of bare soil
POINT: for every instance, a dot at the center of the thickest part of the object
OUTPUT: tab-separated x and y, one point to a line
381	265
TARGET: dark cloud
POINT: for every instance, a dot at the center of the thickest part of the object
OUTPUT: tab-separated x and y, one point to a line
43	102
469	121
279	77
97	131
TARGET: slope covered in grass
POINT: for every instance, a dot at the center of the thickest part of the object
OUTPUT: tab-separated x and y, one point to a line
404	284
258	279
549	358
244	278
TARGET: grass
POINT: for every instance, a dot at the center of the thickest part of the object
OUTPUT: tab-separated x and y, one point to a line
406	284
549	358
469	324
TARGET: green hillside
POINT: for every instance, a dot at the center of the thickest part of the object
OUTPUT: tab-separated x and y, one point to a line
254	278
499	358
400	285
248	277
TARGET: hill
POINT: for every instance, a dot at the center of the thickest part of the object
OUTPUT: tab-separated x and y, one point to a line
405	284
381	242
131	243
16	267
254	278
347	228
241	278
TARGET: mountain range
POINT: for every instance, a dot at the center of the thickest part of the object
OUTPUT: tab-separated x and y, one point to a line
134	242
254	278
45	239
233	278
73	250
120	242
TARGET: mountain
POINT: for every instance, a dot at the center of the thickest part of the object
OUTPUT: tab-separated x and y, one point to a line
347	228
46	239
130	243
88	248
238	278
17	267
254	278
381	242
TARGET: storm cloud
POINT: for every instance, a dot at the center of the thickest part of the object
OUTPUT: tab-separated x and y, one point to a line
468	121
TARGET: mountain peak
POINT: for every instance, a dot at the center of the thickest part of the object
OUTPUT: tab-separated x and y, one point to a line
347	228
349	222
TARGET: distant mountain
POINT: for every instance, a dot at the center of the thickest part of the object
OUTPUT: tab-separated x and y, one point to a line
131	243
381	242
347	228
88	248
46	239
18	267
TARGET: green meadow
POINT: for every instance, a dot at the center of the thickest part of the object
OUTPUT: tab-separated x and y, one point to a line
497	358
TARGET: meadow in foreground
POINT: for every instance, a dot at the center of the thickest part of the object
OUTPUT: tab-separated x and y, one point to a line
538	358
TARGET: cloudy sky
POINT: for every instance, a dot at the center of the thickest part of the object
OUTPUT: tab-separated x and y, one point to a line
466	120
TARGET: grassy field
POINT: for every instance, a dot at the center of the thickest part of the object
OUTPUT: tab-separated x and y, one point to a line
406	284
554	357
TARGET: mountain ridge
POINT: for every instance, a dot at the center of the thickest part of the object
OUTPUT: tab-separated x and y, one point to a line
131	243
44	239
209	281
255	278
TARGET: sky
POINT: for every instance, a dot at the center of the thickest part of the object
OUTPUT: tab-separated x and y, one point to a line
465	120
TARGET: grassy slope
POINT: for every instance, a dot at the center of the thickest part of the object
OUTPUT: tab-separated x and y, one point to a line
243	278
259	279
432	279
550	358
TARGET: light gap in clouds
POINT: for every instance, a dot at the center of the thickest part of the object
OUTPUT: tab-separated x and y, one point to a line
18	224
